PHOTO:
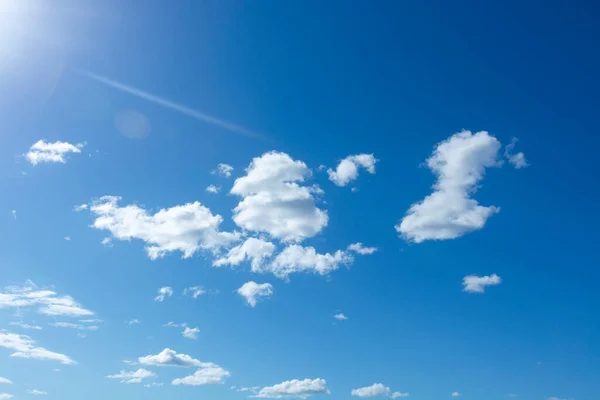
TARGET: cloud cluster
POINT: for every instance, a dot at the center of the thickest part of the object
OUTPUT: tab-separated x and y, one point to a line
450	211
298	389
163	293
347	169
24	347
46	152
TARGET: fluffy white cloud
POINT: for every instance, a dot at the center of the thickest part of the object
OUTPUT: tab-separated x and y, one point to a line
253	291
223	170
133	376
298	389
340	317
36	392
187	228
477	284
170	358
347	169
46	152
190	333
253	249
208	374
5	381
361	249
163	293
516	160
5	396
194	291
377	390
274	202
50	303
296	258
213	189
449	212
24	347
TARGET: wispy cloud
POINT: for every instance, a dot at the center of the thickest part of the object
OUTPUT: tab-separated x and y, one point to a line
169	104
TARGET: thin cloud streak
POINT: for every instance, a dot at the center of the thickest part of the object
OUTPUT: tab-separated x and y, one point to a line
169	104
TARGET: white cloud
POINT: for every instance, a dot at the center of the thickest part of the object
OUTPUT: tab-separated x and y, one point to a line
14	214
24	347
106	242
187	228
133	322
25	326
213	189
163	293
223	170
50	303
340	317
296	258
253	291
194	291
274	202
253	249
208	374
516	160
298	389
377	390
153	384
68	238
361	249
5	381
190	333
477	284
36	392
253	389
456	394
557	398
81	207
5	396
133	376
169	358
46	152
347	169
449	212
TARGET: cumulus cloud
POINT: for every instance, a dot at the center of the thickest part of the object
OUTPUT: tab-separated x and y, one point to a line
347	169
296	258
477	284
24	347
133	376
223	170
340	317
46	152
49	302
5	381
294	389
194	291
163	293
517	160
187	228
5	396
190	333
274	201
253	249
377	390
208	374
450	211
213	189
253	291
361	249
170	358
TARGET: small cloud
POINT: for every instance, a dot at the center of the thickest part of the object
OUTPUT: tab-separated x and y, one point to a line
194	291
5	396
190	333
25	326
68	238
14	214
107	242
223	170
163	293
456	394
46	152
5	381
347	169
253	291
153	384
213	189
516	160
360	249
133	376
133	322
36	392
340	317
477	284
81	207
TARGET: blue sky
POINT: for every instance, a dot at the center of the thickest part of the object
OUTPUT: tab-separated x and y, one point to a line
409	212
